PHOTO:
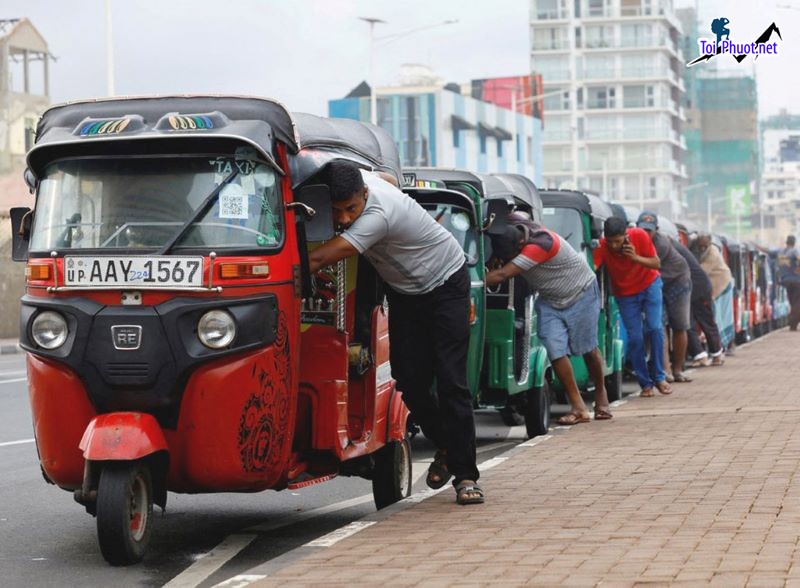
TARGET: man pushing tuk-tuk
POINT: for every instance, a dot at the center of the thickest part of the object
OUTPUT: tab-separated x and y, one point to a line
428	289
568	305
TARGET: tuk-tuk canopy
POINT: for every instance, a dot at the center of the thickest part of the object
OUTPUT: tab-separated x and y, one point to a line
259	122
435	177
311	141
588	203
667	227
520	188
322	140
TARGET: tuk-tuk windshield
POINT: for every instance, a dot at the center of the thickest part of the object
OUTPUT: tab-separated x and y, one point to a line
566	222
457	220
143	202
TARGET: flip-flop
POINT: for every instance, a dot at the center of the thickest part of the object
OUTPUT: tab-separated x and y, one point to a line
467	487
646	393
572	419
682	379
663	390
602	414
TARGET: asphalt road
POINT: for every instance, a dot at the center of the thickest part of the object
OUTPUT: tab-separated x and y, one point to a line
46	539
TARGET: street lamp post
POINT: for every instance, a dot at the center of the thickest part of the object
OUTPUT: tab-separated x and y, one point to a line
373	40
373	101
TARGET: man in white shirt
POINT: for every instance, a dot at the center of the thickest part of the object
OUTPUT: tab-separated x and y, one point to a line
428	289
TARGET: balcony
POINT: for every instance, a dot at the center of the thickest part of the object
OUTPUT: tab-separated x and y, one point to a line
627	73
551	45
556	136
551	15
630	134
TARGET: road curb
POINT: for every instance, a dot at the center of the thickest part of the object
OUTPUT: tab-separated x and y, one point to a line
10	348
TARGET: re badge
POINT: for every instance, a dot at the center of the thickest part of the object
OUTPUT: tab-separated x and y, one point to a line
126	337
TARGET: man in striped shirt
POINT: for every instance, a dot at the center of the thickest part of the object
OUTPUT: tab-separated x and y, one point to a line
568	305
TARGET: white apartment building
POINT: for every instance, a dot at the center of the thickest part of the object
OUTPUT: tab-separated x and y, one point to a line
612	73
780	178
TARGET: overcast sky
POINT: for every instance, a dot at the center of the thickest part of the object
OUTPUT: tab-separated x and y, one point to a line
305	52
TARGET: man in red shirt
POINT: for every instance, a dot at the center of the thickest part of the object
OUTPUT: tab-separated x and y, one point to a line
632	264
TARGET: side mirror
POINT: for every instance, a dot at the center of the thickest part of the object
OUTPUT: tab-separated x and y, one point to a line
21	219
315	202
496	217
30	180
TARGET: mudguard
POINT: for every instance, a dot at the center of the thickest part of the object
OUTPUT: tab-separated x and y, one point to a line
397	417
122	436
539	365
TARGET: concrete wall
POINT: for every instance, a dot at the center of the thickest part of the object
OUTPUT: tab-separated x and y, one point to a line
12	283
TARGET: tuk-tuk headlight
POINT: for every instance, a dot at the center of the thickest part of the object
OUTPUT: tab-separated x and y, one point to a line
216	329
49	330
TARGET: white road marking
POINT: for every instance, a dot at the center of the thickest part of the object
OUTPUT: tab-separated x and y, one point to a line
535	441
211	562
240	581
20	442
13	373
490	463
12	381
334	537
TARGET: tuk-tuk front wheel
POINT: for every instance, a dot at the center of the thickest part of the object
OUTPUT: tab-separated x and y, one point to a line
391	476
537	410
124	512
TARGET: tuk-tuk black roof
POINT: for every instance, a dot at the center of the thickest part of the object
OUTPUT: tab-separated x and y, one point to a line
521	188
588	203
258	121
364	140
445	175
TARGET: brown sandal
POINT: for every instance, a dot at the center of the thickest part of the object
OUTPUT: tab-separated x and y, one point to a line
647	393
572	418
602	414
663	387
438	475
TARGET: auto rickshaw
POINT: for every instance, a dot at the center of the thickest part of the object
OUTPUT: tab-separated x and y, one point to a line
780	301
687	230
507	368
762	291
738	260
174	339
578	217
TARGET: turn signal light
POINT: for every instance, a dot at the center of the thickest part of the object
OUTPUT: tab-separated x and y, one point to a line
37	272
228	271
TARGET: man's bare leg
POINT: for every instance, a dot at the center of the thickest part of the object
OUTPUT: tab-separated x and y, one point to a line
594	362
680	342
563	369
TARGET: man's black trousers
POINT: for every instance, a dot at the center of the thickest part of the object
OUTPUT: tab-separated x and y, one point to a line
429	339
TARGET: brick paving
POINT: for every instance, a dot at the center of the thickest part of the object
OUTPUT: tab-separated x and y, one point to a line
700	487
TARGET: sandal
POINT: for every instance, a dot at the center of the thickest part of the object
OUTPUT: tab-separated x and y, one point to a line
573	418
602	414
670	379
438	475
647	393
468	492
664	387
682	378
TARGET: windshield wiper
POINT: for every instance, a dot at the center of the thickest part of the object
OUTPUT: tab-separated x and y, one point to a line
198	213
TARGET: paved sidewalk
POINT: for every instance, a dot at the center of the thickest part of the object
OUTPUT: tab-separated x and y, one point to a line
698	487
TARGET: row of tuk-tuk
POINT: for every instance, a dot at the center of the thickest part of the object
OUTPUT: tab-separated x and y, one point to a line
177	341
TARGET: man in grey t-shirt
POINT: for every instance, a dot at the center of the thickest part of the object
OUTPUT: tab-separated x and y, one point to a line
568	305
425	270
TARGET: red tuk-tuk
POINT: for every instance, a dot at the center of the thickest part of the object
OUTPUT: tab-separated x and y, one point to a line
175	340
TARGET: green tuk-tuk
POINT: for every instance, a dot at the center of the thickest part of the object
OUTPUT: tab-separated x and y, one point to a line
508	368
579	218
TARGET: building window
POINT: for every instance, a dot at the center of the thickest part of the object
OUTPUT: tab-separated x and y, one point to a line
602	97
499	148
519	147
482	141
529	148
456	138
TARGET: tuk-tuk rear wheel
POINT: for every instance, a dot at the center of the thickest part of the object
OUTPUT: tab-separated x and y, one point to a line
391	476
614	386
124	512
537	410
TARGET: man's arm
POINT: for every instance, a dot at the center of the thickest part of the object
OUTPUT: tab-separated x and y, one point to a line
329	253
505	273
650	262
